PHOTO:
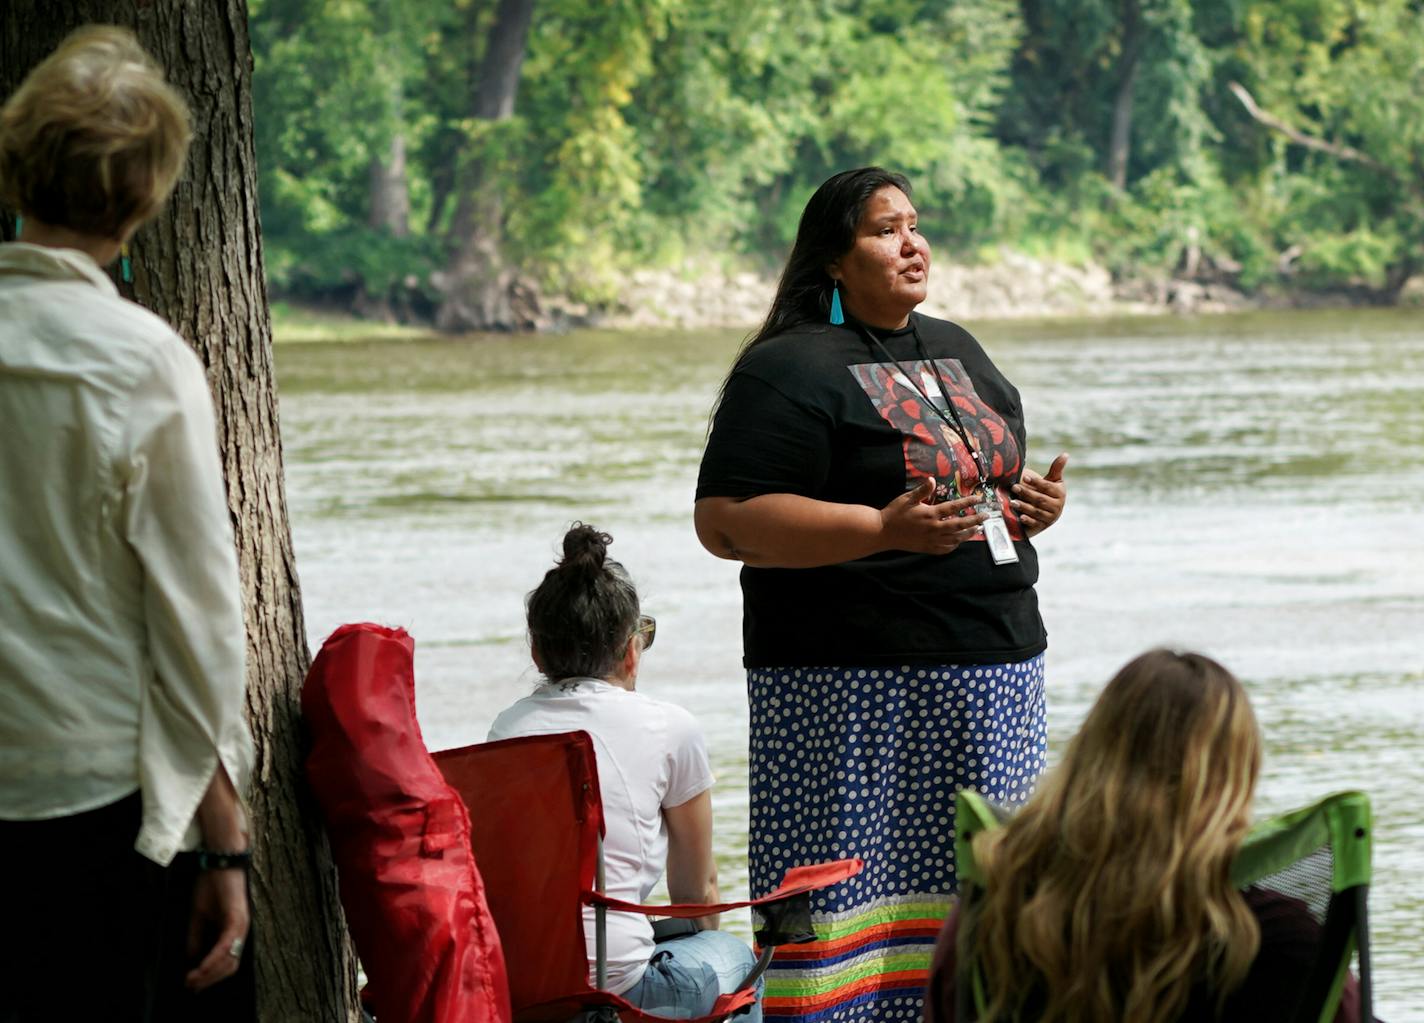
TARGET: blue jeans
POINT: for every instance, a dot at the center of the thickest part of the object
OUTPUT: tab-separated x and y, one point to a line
685	976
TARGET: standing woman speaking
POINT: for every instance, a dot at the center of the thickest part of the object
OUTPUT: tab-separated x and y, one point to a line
866	466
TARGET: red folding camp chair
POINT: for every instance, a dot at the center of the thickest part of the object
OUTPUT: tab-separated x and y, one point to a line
411	889
537	831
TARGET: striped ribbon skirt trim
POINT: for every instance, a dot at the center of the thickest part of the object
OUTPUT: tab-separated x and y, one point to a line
866	762
857	958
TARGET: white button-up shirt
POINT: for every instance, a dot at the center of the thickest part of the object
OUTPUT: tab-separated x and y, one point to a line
121	634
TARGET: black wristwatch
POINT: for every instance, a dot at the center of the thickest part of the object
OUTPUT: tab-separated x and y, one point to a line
215	859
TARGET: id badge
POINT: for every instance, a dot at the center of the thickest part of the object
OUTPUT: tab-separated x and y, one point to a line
996	531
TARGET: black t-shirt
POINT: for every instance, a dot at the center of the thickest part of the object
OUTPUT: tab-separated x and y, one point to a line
819	412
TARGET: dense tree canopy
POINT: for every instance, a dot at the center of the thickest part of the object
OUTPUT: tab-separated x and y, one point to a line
1254	141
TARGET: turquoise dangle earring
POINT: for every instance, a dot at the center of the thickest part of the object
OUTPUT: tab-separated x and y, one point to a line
125	264
837	316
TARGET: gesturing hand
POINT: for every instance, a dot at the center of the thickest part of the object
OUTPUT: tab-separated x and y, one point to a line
1039	500
911	523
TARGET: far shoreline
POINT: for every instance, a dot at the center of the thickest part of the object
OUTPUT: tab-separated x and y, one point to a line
1015	288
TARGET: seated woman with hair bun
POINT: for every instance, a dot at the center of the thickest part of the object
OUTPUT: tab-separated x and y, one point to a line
587	635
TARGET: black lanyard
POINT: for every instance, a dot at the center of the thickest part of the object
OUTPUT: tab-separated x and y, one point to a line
949	413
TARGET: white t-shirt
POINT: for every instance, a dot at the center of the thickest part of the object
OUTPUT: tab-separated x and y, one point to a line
650	755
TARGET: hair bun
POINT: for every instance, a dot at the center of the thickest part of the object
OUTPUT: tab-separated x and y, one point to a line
585	548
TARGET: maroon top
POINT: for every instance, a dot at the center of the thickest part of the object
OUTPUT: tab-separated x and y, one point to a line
1289	937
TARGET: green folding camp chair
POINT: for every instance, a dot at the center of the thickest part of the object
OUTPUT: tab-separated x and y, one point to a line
1319	855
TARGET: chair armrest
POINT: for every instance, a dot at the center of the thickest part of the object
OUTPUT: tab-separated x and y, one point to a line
787	908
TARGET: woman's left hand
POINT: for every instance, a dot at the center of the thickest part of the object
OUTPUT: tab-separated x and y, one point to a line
219	906
1038	500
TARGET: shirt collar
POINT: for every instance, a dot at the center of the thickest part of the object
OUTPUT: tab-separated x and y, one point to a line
575	683
881	332
53	265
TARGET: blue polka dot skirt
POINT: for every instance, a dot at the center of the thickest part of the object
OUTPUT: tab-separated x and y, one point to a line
866	762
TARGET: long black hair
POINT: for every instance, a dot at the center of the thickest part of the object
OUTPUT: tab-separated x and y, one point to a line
825	234
581	616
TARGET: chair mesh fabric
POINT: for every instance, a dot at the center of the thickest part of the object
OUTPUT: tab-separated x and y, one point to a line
1308	880
535	817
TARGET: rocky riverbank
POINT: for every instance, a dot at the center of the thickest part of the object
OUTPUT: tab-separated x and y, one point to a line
1014	286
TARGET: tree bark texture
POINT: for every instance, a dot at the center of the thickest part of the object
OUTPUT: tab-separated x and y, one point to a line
390	191
480	290
199	266
390	213
504	58
1120	140
390	194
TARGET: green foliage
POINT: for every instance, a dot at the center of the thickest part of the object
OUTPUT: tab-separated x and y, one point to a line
1351	74
1362	255
670	128
654	132
355	260
1077	55
579	160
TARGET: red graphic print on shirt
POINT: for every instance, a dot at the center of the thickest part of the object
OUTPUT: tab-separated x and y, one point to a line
932	446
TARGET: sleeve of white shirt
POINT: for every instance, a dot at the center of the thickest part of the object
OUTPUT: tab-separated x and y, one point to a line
689	770
177	521
497	730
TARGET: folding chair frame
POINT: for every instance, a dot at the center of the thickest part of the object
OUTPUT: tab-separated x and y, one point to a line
566	762
600	917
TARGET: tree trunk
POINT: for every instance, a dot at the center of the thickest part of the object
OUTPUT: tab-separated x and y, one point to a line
390	194
475	286
479	288
199	266
389	209
1120	142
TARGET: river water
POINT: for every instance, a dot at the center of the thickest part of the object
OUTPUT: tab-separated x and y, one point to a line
1249	486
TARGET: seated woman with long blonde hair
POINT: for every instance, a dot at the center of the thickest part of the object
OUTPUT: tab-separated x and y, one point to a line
1108	896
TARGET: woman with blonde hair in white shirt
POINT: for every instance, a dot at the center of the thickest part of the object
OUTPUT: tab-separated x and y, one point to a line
122	738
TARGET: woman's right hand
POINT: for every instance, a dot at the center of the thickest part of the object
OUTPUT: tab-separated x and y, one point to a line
912	523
